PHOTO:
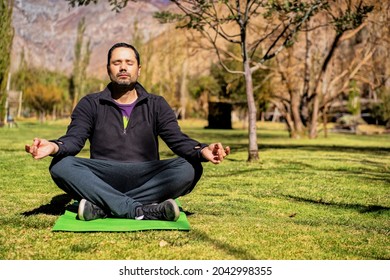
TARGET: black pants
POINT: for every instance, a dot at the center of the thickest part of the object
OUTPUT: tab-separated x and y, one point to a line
119	187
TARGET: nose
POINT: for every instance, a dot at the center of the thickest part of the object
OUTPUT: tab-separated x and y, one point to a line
122	67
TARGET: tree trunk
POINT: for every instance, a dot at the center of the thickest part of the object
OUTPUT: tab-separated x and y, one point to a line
184	89
296	115
42	116
290	126
75	98
314	117
319	87
253	150
325	121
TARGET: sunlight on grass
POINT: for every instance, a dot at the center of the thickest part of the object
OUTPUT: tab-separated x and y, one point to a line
327	198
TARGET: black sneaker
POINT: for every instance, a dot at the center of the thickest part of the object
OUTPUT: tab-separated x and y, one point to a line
167	210
89	211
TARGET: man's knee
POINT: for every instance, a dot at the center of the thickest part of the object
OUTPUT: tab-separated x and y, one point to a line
59	166
188	174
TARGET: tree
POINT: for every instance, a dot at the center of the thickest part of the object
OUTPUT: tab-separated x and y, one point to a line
343	20
332	57
375	80
147	51
43	91
384	109
237	22
6	35
230	87
354	105
42	98
168	68
201	88
81	60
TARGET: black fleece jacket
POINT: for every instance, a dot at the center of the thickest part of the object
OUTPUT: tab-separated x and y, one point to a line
98	119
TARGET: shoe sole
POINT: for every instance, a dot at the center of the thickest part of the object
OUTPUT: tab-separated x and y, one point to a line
173	209
81	209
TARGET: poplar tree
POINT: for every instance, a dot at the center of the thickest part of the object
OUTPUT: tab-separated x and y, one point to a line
6	35
81	60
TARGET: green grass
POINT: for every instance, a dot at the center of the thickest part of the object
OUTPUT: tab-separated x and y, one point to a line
305	199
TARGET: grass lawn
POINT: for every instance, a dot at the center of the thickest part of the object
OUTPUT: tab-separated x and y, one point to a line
305	199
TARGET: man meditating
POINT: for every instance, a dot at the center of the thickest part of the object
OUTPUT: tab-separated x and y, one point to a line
124	176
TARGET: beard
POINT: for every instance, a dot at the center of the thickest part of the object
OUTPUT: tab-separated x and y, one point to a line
122	82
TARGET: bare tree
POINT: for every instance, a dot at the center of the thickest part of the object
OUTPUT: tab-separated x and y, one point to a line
321	65
377	36
239	22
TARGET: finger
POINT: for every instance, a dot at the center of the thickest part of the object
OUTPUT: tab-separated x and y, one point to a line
215	148
226	151
33	149
220	148
221	155
37	142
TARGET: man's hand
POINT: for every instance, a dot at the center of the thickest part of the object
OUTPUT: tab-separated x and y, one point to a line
215	152
41	148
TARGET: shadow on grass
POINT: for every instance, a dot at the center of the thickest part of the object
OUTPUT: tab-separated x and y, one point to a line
331	148
380	175
57	206
360	208
236	252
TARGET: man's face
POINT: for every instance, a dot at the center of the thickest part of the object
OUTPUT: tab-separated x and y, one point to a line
123	68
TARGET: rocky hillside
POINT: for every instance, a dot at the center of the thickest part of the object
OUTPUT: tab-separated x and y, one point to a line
46	30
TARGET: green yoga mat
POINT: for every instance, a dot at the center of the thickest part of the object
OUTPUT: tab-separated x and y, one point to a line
69	222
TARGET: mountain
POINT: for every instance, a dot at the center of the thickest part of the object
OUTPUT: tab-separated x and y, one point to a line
45	30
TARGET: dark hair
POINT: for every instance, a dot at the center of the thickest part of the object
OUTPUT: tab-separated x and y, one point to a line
123	45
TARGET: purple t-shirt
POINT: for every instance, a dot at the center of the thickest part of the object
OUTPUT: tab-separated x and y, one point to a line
126	110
